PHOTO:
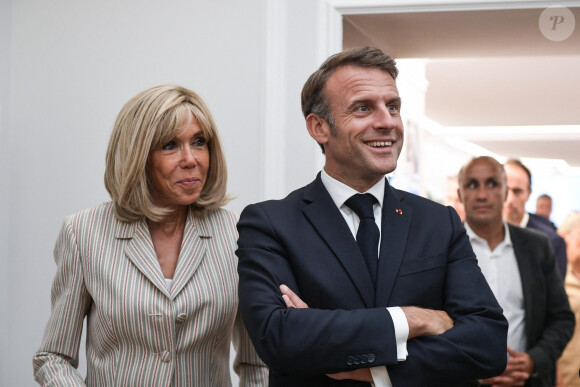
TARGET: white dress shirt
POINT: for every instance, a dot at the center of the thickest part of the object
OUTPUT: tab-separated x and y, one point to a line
340	193
525	220
500	269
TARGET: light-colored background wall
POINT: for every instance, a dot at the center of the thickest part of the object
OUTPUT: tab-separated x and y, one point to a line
66	69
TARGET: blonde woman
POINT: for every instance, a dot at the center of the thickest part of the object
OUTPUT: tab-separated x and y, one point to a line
153	272
569	363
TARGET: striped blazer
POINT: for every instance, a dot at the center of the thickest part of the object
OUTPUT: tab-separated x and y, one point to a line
139	332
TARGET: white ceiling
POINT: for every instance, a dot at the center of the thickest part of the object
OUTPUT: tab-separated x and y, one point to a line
491	74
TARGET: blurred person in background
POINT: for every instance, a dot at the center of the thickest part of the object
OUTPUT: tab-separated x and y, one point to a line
520	268
153	271
544	208
569	363
519	186
452	197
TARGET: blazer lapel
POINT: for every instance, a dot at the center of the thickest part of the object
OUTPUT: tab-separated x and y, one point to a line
522	253
140	251
193	252
395	225
326	218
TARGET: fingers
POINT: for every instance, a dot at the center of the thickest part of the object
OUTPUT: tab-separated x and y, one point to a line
291	299
288	302
513	379
512	352
361	374
426	322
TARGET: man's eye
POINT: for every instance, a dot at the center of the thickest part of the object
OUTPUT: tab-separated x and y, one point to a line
362	108
171	145
393	108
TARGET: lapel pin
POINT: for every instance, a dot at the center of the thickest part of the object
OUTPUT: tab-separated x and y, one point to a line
399	211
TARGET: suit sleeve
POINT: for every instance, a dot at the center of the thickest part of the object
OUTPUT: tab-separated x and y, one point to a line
561	258
558	319
56	360
301	341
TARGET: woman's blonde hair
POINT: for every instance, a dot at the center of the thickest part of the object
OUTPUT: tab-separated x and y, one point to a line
149	120
570	223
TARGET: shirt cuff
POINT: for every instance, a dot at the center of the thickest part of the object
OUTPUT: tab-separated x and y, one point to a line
381	377
401	331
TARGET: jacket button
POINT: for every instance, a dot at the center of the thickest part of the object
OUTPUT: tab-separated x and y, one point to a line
371	358
364	359
357	359
165	356
349	360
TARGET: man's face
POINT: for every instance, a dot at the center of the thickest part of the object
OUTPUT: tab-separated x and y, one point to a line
365	105
518	186
482	190
544	207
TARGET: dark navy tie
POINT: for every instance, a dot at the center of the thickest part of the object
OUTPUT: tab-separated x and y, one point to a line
367	236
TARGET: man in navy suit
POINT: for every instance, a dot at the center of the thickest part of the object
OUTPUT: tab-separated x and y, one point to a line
544	209
318	309
520	268
519	185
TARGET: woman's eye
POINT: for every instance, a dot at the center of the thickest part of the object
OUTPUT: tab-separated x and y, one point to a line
171	145
199	141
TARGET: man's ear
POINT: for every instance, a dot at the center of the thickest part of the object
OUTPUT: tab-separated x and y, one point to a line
318	128
459	196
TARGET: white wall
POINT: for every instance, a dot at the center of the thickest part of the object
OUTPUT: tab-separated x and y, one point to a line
67	67
4	181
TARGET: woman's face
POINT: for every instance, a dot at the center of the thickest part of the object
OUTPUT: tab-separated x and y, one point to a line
178	169
573	245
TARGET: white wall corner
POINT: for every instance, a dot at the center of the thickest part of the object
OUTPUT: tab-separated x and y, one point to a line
273	146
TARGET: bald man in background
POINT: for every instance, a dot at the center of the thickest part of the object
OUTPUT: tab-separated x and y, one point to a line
519	266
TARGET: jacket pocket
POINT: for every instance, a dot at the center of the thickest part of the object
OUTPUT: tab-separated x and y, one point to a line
418	264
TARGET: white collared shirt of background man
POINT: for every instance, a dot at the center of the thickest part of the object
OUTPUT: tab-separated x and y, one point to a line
500	269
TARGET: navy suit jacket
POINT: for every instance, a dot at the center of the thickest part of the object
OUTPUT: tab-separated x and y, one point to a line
425	260
549	320
538	223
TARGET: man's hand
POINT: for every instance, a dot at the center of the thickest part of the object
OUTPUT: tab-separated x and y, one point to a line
362	374
293	301
519	368
426	322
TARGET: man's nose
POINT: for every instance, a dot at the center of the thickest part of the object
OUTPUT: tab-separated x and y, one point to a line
384	119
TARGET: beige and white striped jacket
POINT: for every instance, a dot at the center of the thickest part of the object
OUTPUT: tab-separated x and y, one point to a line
139	332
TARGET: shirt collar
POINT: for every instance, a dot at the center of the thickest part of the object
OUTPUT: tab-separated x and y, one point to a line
507	240
525	220
340	192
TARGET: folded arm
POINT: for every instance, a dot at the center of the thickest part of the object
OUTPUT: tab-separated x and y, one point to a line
422	322
322	338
